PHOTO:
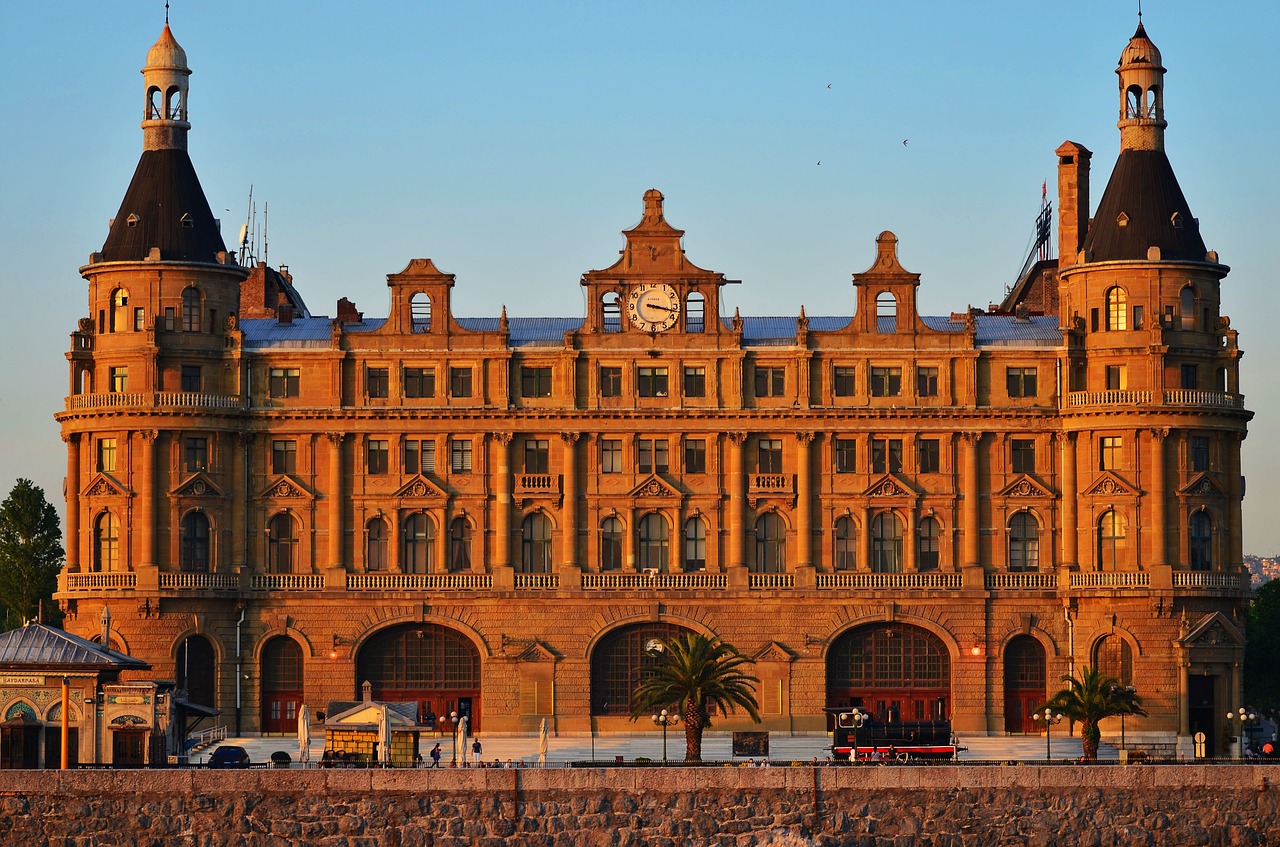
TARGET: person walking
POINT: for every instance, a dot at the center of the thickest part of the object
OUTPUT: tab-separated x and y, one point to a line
435	756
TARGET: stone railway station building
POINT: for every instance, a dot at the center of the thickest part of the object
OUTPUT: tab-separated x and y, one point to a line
926	516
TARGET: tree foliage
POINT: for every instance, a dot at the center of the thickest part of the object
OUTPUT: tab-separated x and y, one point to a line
1090	699
30	555
695	676
1262	651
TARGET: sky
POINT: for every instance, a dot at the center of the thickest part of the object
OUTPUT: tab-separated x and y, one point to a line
512	141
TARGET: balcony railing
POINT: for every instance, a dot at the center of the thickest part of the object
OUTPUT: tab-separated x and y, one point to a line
1108	398
199	581
537	581
872	581
1170	397
1110	579
1031	581
640	581
1193	397
538	483
102	581
771	483
419	581
771	580
287	582
1208	579
156	399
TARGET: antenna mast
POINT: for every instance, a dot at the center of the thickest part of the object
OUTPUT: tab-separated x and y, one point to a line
245	251
266	217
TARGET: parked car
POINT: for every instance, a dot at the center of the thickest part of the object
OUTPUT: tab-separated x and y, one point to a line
229	756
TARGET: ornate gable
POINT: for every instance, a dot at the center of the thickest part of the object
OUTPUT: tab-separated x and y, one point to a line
104	485
889	486
1202	486
1213	630
421	488
654	486
197	485
537	652
285	487
1109	485
772	651
1025	486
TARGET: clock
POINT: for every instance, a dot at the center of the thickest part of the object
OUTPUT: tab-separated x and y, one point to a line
653	306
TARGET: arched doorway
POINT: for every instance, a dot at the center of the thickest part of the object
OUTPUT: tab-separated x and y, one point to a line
1024	683
281	666
434	666
893	671
620	661
195	670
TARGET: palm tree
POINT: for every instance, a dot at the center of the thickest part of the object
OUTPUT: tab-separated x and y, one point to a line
696	674
1091	699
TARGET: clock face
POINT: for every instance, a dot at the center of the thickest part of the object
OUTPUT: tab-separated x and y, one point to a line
653	306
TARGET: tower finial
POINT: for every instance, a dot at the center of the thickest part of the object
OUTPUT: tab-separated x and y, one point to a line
166	11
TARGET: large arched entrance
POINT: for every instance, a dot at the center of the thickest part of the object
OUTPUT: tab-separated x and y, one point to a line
1024	684
620	661
434	666
893	671
282	692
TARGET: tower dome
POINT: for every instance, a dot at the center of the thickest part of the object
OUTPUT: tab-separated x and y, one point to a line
1142	122
167	53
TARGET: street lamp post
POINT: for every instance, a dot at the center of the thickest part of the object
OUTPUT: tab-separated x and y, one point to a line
1245	718
453	724
665	719
1128	691
857	718
1049	719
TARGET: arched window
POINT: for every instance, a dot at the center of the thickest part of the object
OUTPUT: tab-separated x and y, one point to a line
191	314
196	669
929	542
535	536
1117	310
152	110
611	544
119	310
892	671
417	543
432	665
886	543
695	545
1153	101
1111	540
1133	103
771	544
375	545
654	542
1200	541
846	546
695	310
282	543
621	660
1112	656
611	308
886	312
106	543
1188	307
194	556
1025	683
84	381
1024	542
173	101
420	313
459	545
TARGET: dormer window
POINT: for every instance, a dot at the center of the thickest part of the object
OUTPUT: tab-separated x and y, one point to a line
133	220
187	221
1122	219
1176	220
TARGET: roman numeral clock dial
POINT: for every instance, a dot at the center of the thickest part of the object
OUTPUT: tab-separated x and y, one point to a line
653	307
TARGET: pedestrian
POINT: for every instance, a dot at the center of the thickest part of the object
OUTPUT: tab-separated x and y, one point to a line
476	748
435	756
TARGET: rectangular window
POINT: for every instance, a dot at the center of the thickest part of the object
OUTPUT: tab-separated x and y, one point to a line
139	321
1199	453
283	382
695	382
196	451
376	456
419	456
771	382
769	455
930	456
377	382
1190	376
170	319
535	382
460	382
927	382
651	382
119	380
537	455
845	383
846	455
610	455
107	455
1022	455
284	457
191	379
695	455
886	382
460	455
1117	378
886	455
1109	452
419	382
1137	317
653	455
1020	382
610	381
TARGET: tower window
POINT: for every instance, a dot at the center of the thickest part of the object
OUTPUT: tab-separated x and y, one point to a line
187	221
419	382
886	312
844	382
535	382
1116	309
133	220
610	381
611	310
419	313
651	382
695	312
695	382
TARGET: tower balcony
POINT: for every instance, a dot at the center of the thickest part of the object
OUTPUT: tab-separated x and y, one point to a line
1187	397
153	400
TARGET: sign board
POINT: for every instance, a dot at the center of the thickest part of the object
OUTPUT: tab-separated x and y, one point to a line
1200	746
36	680
751	744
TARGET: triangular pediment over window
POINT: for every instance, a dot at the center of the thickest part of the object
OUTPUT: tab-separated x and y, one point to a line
890	485
1214	630
421	488
537	652
285	487
104	485
654	486
773	652
1109	485
1202	486
1025	486
198	485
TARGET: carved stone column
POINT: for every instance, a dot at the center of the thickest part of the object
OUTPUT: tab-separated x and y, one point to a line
147	499
737	546
337	497
804	500
1158	504
569	513
73	502
971	512
502	508
1070	529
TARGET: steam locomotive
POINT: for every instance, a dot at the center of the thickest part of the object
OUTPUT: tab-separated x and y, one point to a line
859	736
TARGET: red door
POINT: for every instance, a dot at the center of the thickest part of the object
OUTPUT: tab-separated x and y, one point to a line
1024	684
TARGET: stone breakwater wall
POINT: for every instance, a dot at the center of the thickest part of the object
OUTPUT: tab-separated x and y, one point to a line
952	806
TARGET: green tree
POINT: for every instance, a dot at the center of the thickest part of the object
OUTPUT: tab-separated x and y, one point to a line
696	675
1093	698
30	555
1262	650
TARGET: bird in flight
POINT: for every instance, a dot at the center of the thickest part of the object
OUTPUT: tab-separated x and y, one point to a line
904	142
828	85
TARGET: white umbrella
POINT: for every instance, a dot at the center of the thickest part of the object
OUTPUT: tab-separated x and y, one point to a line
304	735
542	744
462	739
384	736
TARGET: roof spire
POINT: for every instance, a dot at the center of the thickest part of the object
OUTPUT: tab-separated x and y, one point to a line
165	78
166	11
1142	122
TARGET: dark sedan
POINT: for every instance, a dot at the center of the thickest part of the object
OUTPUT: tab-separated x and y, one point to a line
229	756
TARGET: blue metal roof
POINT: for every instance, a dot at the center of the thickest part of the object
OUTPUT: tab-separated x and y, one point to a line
40	645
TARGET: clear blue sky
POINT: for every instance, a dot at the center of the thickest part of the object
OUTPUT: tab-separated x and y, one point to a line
511	141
